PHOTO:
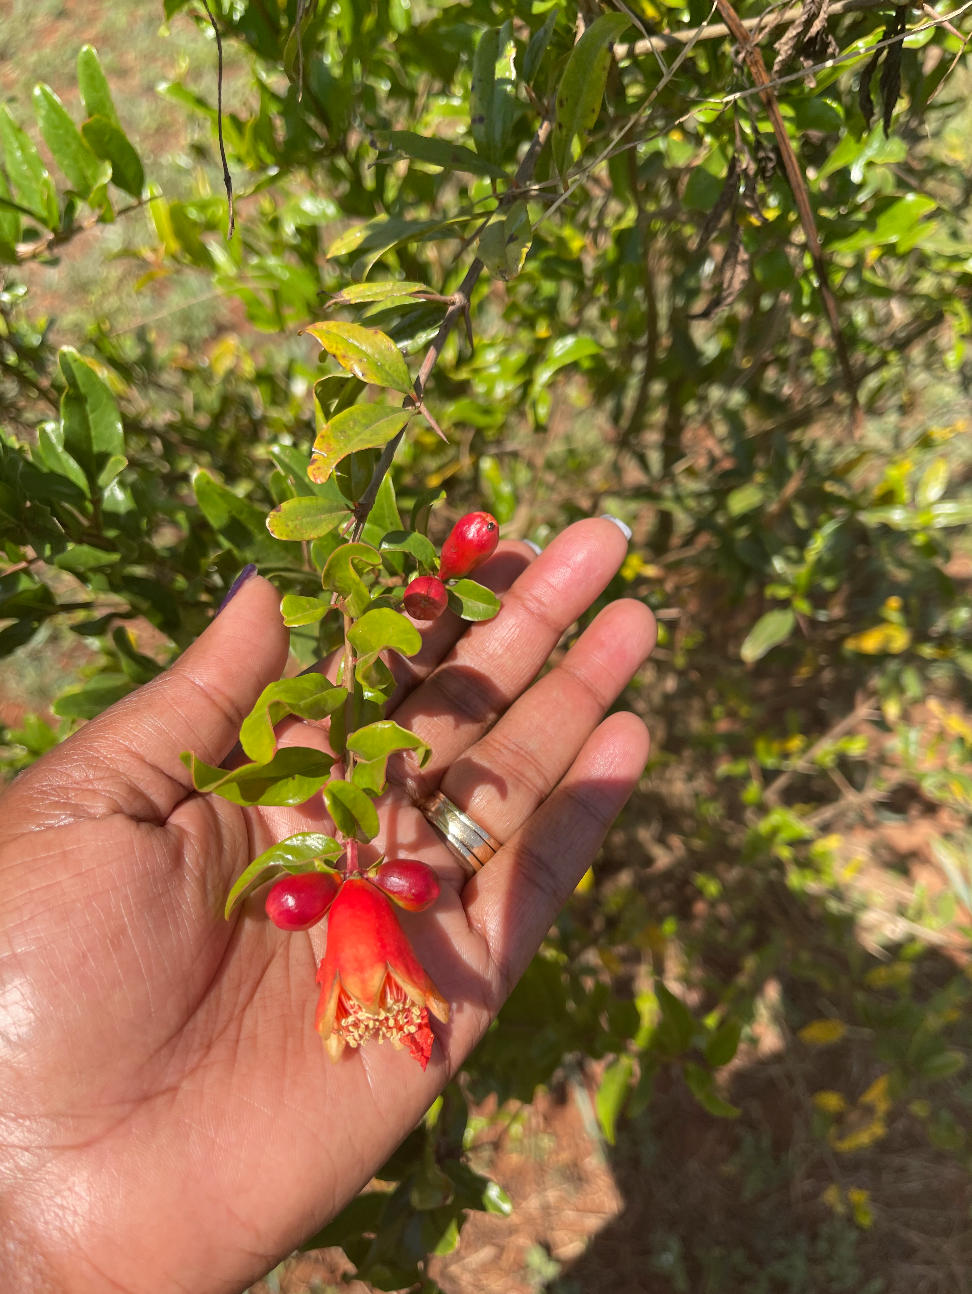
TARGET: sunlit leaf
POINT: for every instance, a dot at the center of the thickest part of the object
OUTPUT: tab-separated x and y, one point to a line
611	1094
305	852
582	85
886	639
298	611
83	170
374	743
701	1084
822	1033
416	545
342	577
440	152
352	810
291	777
771	629
109	142
309	696
364	426
93	84
473	601
306	517
366	352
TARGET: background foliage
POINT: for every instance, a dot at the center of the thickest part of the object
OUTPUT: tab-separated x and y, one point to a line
775	939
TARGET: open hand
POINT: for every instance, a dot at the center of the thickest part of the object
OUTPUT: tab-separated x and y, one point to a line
170	1122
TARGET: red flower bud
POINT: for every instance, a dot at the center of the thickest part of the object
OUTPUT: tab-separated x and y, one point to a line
426	598
474	538
299	902
414	886
372	984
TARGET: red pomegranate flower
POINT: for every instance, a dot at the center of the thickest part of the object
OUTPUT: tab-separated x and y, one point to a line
372	984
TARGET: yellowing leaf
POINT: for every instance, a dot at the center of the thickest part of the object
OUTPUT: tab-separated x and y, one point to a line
821	1033
830	1102
368	353
886	639
363	426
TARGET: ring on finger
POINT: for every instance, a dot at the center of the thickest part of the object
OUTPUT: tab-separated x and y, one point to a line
470	842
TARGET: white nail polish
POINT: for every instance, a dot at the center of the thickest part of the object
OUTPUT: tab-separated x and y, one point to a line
625	530
530	544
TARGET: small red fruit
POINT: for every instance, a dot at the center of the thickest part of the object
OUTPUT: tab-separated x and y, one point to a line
299	902
414	886
474	538
426	598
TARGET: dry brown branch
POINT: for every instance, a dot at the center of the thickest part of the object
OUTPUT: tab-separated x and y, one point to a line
862	710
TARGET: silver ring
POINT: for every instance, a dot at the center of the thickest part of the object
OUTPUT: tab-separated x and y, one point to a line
468	841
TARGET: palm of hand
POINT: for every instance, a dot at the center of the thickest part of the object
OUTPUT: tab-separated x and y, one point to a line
171	1119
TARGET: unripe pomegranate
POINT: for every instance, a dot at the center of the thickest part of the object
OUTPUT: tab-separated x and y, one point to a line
474	538
299	902
426	598
414	886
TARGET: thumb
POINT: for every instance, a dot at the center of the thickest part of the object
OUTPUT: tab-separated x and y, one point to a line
127	759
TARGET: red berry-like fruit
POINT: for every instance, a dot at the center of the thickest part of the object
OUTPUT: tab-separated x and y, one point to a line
474	538
299	902
426	598
414	886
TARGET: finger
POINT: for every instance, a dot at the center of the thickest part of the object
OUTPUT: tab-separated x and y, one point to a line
513	901
492	663
127	759
507	774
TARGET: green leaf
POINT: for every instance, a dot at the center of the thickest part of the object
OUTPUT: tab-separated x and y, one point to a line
384	515
440	152
50	444
422	508
384	628
341	575
491	98
366	352
295	855
291	777
352	810
309	696
933	483
496	1200
701	1084
611	1093
537	46
369	293
93	84
91	410
723	1044
374	743
384	233
110	143
564	351
298	611
67	147
306	517
364	426
744	499
94	696
376	631
416	545
83	557
954	512
28	175
240	523
473	601
768	632
582	87
504	243
676	1028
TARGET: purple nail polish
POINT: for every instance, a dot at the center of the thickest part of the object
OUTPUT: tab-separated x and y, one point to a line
245	575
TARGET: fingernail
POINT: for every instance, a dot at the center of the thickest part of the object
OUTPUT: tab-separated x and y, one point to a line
625	530
245	575
530	544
